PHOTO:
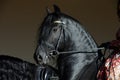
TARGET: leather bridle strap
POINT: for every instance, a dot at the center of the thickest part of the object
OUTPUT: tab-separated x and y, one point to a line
76	52
60	36
56	52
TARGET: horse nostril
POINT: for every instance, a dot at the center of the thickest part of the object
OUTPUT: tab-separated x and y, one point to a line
39	58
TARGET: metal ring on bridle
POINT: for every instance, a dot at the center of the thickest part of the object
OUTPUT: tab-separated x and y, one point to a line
54	52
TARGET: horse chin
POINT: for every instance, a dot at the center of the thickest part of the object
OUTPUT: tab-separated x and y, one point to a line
52	64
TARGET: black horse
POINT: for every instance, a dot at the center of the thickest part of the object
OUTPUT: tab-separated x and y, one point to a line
65	45
12	68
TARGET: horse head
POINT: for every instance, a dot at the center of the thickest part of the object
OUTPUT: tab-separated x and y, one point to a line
61	34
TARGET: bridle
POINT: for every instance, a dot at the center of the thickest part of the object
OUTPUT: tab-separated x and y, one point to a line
56	52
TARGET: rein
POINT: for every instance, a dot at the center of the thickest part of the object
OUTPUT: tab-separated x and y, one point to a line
56	52
76	52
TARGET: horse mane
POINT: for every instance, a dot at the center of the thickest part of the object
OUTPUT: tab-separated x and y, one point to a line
13	67
14	59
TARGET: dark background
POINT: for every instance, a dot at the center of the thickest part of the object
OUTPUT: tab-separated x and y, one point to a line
20	20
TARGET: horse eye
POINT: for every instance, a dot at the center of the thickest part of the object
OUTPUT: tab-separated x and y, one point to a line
54	29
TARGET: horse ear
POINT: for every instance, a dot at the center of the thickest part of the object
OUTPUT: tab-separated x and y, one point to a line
56	9
48	10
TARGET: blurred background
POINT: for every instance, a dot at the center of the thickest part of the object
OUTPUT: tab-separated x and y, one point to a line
20	20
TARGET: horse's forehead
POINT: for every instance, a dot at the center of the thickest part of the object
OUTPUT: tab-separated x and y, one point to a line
65	20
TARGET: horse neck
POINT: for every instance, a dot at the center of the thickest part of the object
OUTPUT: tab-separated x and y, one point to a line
80	39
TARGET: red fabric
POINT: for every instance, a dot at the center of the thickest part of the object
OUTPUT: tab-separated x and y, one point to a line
115	44
111	69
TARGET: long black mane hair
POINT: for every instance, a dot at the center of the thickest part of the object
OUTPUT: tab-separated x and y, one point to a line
12	68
